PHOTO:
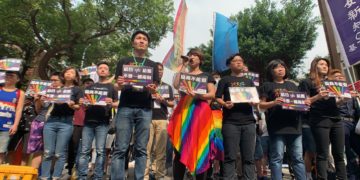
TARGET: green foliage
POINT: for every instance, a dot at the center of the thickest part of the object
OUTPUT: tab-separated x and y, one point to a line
268	31
67	30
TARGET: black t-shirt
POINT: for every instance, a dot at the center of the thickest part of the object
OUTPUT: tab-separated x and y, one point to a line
101	114
241	113
323	111
280	121
64	109
160	111
131	97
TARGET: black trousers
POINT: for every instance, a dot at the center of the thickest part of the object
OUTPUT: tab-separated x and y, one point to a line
73	147
236	136
179	169
335	136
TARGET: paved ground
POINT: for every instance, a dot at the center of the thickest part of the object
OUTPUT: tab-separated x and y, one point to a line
169	176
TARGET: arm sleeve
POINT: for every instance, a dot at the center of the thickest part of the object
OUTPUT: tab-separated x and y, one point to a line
220	89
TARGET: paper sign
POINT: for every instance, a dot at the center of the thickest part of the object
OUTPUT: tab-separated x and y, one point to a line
87	71
138	75
95	97
58	95
244	94
38	87
337	88
10	64
196	83
356	85
164	91
294	101
254	77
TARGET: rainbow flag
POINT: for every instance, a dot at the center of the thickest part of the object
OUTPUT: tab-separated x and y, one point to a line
172	59
216	139
189	131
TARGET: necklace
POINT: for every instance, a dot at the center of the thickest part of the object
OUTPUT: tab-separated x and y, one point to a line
138	63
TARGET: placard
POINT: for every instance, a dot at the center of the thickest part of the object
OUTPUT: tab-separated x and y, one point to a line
356	85
337	88
164	91
2	77
58	95
254	77
244	94
196	83
294	101
37	86
138	75
10	64
95	97
87	71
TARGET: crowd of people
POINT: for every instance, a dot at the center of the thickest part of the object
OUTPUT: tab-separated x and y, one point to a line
207	135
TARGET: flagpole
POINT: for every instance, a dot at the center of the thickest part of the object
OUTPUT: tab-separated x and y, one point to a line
329	33
213	49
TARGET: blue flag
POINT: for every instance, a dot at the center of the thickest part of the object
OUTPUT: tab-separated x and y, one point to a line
225	41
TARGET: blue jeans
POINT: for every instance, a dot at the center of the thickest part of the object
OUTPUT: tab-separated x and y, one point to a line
90	131
126	120
57	134
293	144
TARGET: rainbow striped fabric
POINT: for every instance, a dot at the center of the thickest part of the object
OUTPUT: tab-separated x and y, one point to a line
190	131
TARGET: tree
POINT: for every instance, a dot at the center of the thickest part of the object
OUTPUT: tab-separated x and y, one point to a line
48	30
270	31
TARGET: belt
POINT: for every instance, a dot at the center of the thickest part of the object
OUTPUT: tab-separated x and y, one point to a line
347	118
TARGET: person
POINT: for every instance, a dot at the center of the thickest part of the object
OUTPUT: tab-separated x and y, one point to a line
238	128
36	142
324	119
284	126
350	113
158	134
134	110
199	117
11	106
59	126
75	140
97	120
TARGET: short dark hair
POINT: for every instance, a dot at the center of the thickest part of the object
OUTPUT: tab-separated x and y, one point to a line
229	59
85	80
197	52
77	75
17	73
272	65
140	32
56	73
160	64
102	62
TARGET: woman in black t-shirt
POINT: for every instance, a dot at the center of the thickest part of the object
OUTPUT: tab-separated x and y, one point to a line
284	126
324	120
59	126
238	125
188	137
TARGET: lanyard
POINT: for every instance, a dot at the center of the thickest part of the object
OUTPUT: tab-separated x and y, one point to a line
138	63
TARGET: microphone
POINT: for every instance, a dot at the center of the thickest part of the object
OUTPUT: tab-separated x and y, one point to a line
185	58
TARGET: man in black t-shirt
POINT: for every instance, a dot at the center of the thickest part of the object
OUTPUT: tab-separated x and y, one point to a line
158	129
134	110
97	123
238	122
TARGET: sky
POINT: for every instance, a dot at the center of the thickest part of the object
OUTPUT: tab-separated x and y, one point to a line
199	21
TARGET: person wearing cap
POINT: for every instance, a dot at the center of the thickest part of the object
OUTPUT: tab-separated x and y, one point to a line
11	106
134	111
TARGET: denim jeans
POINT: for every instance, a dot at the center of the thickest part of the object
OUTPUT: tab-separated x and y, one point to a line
57	134
236	136
127	119
91	131
293	143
